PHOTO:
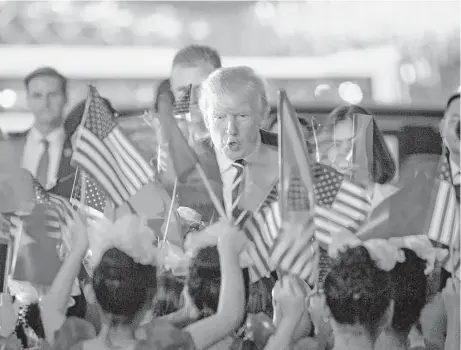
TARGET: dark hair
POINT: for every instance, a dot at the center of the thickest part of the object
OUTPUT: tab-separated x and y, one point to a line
122	286
382	166
47	72
409	285
452	98
204	280
168	297
74	118
163	88
357	291
194	55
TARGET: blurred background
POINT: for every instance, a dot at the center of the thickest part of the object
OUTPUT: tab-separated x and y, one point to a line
324	53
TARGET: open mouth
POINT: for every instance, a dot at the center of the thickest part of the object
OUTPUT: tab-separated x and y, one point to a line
233	145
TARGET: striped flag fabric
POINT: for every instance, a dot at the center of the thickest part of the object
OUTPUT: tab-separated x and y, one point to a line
262	228
60	213
341	204
181	110
106	154
293	252
443	214
95	197
41	241
444	211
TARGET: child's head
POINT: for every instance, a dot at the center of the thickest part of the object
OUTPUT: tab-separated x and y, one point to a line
168	297
123	288
358	293
204	281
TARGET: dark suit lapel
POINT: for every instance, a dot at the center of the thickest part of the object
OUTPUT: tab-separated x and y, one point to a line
260	178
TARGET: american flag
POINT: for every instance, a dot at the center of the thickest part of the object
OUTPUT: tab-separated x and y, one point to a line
262	228
95	197
59	213
182	105
444	215
340	203
105	153
294	252
444	218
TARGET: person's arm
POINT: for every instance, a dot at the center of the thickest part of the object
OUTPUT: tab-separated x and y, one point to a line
231	307
452	306
290	301
54	304
283	336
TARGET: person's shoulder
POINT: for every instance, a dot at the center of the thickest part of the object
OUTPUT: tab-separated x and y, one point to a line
13	136
73	333
269	138
16	135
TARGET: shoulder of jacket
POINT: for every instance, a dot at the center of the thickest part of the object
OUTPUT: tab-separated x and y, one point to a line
269	138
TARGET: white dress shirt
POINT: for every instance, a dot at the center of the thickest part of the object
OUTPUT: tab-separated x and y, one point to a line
34	148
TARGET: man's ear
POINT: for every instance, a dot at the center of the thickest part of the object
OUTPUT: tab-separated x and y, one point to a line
442	126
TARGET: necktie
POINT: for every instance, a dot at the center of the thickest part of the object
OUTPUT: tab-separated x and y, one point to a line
239	165
42	170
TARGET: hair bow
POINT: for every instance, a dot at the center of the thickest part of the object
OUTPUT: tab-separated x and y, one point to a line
173	258
423	248
130	234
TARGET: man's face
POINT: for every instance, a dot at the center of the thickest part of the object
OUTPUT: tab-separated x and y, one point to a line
46	100
234	122
182	76
450	128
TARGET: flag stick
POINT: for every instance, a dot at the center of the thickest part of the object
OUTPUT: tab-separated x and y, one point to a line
16	245
170	211
217	203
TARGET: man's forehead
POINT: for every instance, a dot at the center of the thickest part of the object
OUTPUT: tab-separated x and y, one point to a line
45	83
228	101
182	76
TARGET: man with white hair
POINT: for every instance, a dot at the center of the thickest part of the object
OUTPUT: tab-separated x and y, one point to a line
234	106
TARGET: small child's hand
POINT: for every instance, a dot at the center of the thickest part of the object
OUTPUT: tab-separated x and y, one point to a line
289	296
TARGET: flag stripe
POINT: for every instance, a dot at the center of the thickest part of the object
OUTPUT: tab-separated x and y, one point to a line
96	156
444	224
112	190
107	158
131	176
141	162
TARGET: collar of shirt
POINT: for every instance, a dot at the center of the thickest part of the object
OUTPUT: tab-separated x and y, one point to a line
33	151
455	172
57	136
225	164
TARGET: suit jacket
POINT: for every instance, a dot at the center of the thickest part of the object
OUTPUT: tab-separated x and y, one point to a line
11	151
192	192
